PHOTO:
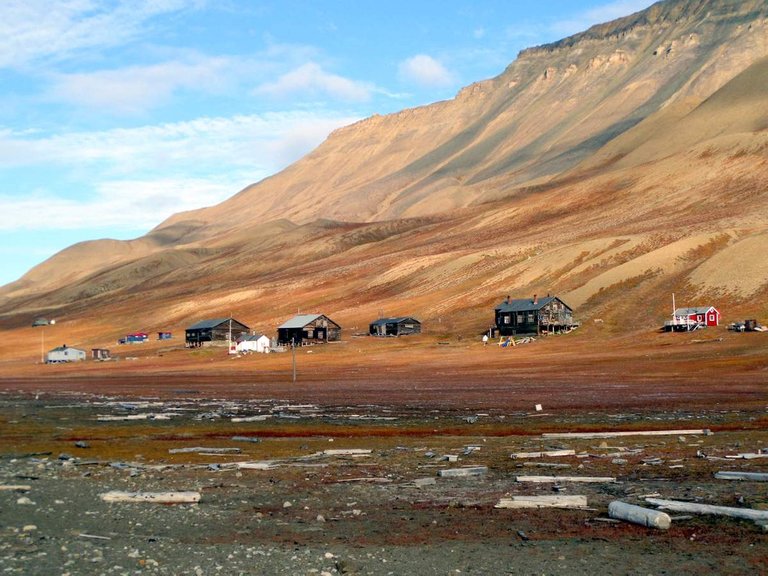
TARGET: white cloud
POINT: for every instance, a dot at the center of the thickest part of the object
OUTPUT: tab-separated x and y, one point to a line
311	79
599	15
31	30
135	178
137	88
425	71
119	205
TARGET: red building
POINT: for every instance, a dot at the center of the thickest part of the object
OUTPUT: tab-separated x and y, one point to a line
685	319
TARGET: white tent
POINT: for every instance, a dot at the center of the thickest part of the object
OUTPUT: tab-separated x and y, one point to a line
254	343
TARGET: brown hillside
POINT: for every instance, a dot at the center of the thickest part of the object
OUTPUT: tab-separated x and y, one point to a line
613	167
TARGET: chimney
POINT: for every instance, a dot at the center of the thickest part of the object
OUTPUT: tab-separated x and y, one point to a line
535	299
506	300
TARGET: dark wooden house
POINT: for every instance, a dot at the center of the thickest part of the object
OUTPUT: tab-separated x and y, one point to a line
394	326
533	316
215	332
308	329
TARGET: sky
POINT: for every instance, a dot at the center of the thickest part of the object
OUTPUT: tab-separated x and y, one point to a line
115	114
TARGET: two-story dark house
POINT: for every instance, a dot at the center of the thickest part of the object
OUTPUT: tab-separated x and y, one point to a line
533	316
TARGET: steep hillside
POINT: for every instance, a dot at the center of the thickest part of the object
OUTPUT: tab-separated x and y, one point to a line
613	167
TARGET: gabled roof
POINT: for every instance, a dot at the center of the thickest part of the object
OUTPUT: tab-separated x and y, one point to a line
397	320
65	348
525	304
299	321
203	324
251	337
694	310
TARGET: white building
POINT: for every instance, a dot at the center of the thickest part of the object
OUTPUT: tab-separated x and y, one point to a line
65	354
254	343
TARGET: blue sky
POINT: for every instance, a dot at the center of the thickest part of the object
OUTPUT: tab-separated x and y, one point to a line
115	114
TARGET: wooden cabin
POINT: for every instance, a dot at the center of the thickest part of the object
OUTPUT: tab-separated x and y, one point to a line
687	319
215	332
308	329
533	316
65	353
401	326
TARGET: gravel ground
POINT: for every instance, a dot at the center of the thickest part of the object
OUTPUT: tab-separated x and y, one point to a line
387	511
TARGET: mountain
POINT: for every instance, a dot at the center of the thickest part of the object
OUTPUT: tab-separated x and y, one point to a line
612	167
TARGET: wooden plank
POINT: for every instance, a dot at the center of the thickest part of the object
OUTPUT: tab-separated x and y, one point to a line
592	435
747	456
639	515
204	450
156	497
347	452
263	465
753	476
543	454
15	487
692	507
545	479
468	471
553	501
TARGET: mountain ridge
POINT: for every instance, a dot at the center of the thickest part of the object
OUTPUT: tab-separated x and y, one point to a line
617	161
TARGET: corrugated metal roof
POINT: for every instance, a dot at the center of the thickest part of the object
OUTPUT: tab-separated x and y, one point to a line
251	338
524	304
203	324
397	320
299	321
693	310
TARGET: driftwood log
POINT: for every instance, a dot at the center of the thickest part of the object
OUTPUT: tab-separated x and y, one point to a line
588	435
639	515
545	479
678	506
543	454
156	497
553	501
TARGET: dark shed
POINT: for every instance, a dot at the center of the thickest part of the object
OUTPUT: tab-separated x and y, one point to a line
216	331
395	326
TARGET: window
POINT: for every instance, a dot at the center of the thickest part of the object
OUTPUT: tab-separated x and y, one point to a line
507	318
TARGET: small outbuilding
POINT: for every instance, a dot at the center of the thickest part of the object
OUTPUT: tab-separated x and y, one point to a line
254	343
65	353
308	329
533	316
215	332
100	354
164	335
400	326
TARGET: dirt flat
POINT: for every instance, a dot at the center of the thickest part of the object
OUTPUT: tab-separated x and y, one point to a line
401	406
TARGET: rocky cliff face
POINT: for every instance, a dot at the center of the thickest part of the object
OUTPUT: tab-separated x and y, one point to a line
630	157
